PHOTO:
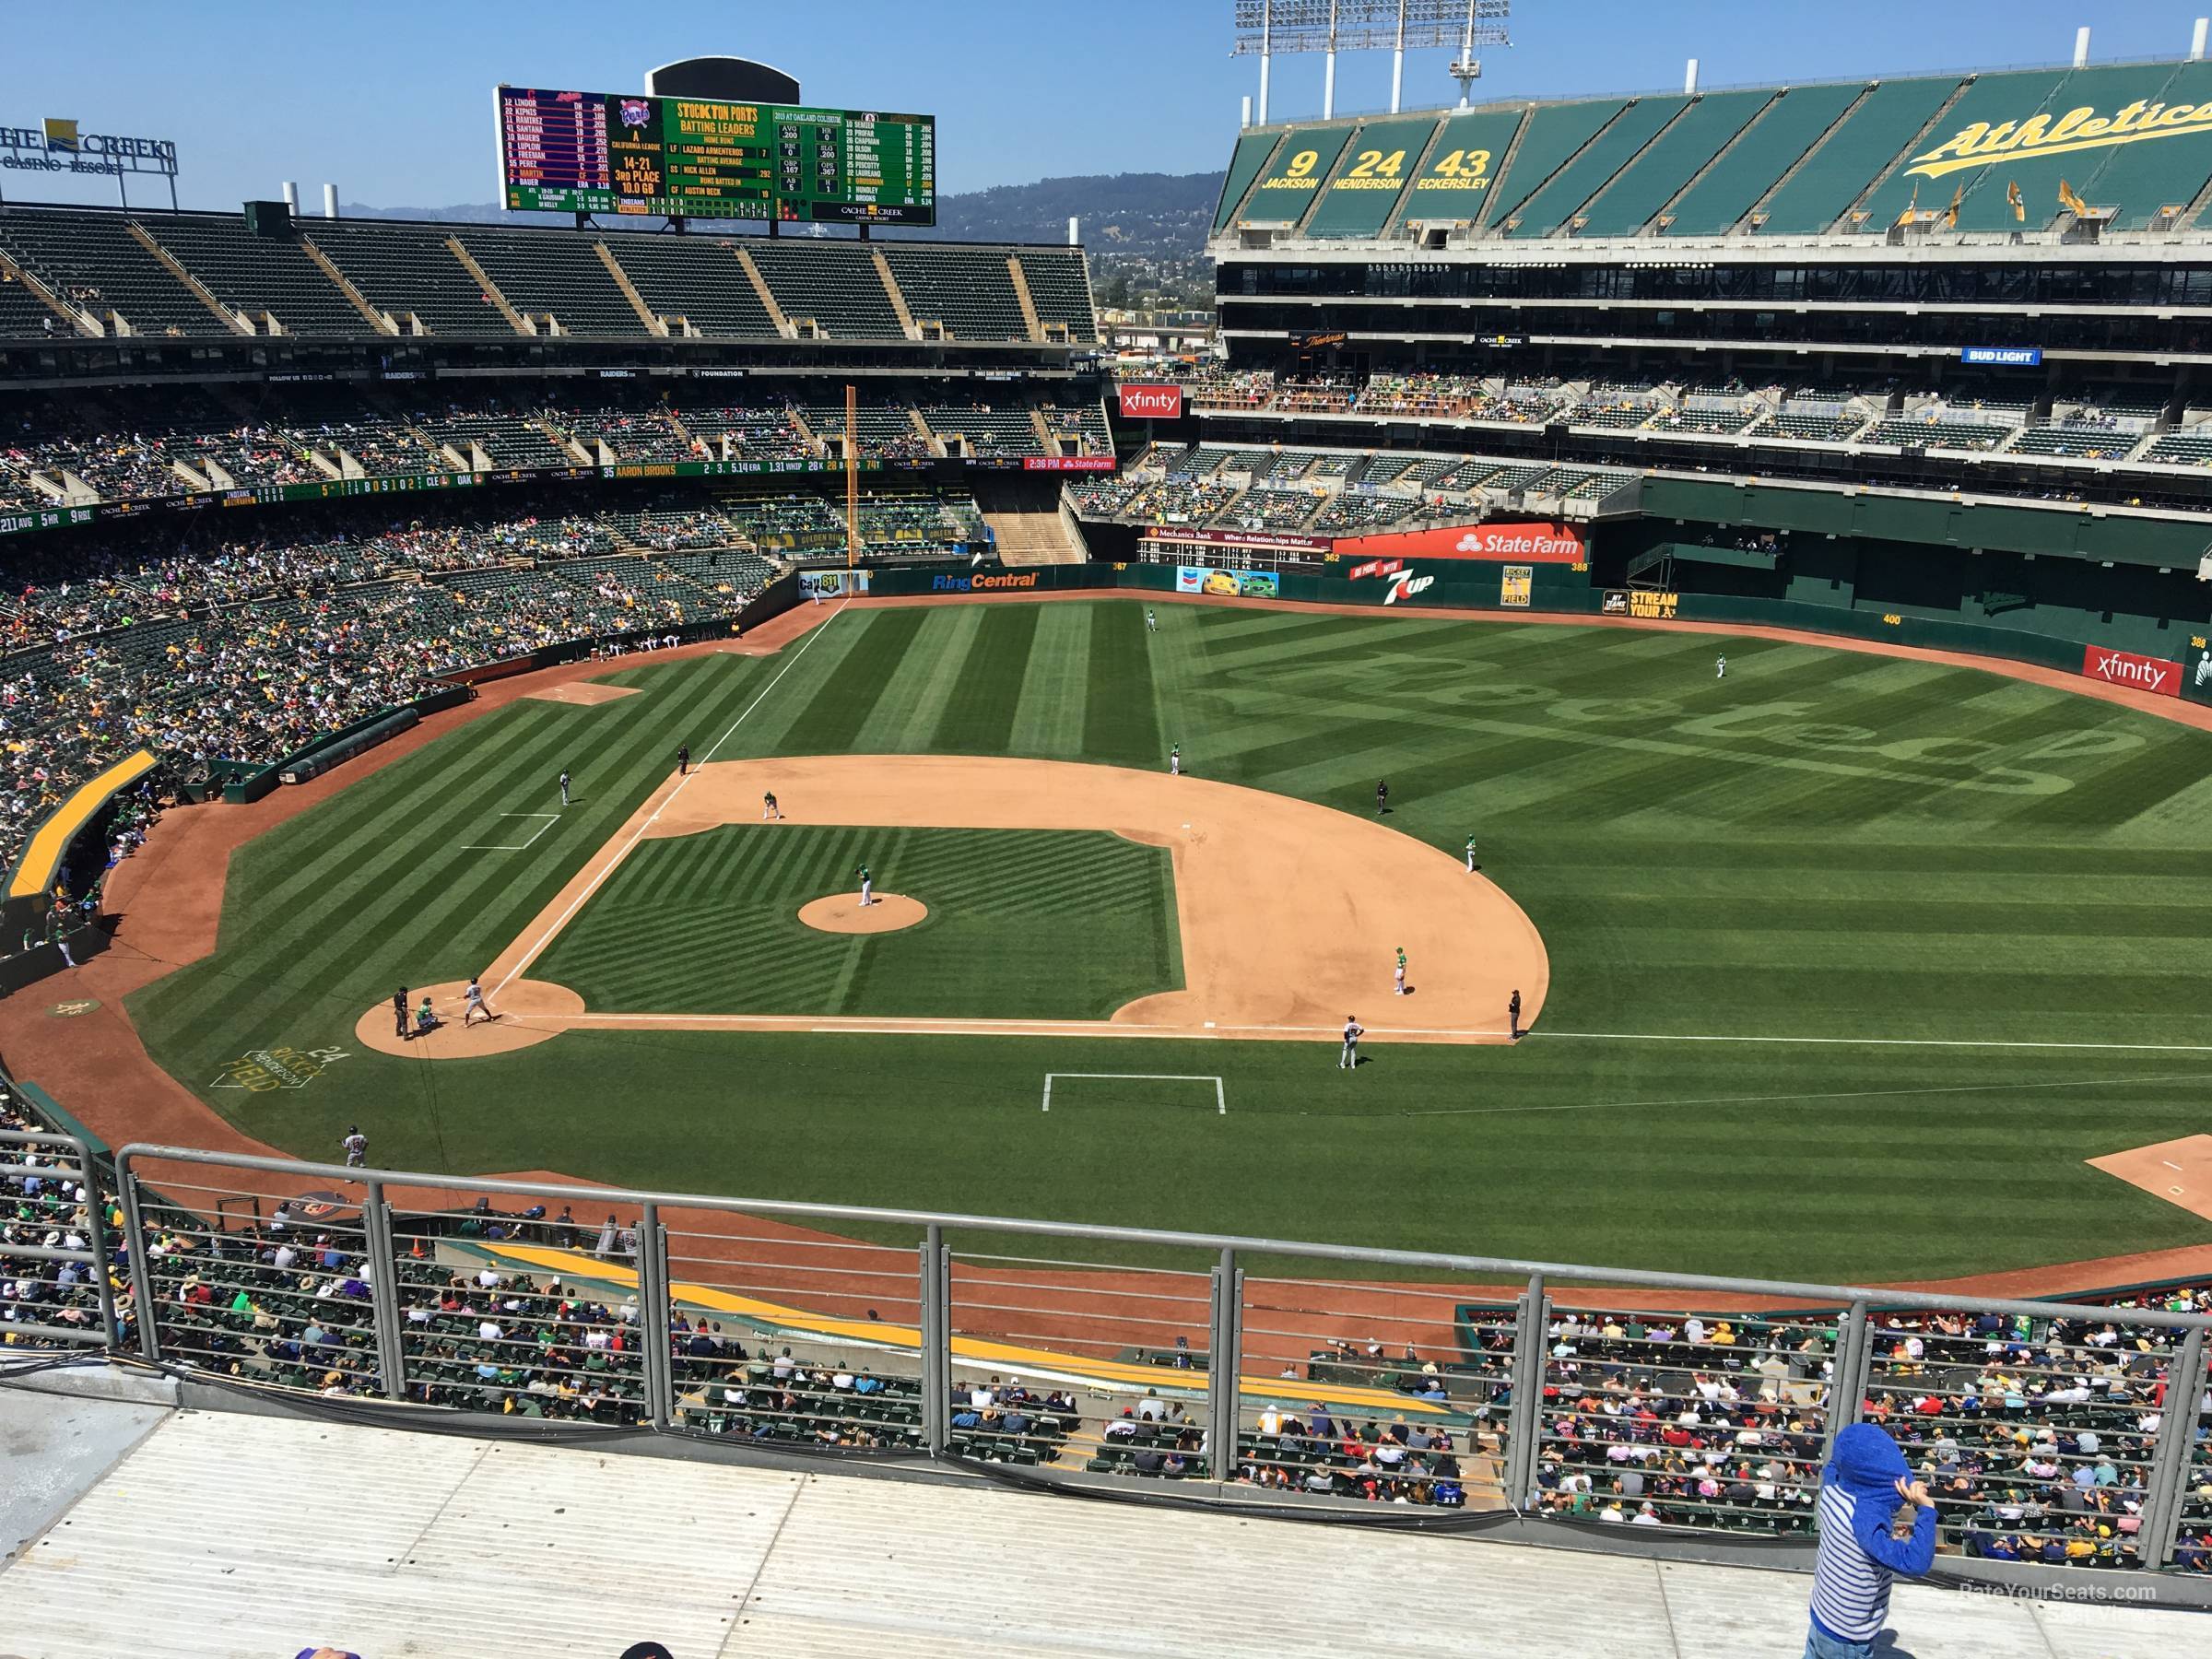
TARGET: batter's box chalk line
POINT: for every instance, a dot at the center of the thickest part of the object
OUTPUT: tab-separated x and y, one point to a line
550	818
1220	1089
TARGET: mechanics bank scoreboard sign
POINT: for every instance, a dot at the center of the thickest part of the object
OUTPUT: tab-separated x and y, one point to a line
55	146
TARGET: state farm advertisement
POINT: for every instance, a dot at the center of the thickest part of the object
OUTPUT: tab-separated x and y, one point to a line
1075	464
2154	675
1501	541
1151	402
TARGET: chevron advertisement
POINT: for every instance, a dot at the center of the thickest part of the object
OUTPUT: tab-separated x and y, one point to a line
1500	541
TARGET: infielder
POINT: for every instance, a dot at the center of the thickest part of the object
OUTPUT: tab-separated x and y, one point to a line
769	809
1720	667
1175	761
1399	988
1513	1015
1353	1031
564	788
867	886
356	1147
476	1004
1470	855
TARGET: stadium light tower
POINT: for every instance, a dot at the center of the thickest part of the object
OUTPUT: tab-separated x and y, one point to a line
1267	27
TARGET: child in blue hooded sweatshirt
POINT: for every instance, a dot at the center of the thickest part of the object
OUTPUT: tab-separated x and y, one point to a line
1866	1480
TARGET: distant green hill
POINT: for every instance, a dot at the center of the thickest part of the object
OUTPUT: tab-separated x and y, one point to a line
1154	216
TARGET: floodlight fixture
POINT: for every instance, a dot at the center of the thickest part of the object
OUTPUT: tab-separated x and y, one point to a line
1267	27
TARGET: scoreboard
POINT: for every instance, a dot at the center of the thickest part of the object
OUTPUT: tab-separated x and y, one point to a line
613	152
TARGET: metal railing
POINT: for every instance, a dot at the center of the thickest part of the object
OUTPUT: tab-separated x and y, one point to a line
1297	1377
54	1287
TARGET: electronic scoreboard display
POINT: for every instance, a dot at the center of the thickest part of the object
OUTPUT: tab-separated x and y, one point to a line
612	152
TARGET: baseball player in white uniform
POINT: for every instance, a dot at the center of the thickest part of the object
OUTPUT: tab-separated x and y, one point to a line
1398	989
1353	1031
1720	667
1150	625
356	1147
1470	855
1175	761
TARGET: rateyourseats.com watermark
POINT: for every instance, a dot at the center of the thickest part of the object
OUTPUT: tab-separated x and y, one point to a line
2110	1594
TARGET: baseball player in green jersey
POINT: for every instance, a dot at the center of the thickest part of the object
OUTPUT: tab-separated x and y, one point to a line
1400	989
867	886
1470	855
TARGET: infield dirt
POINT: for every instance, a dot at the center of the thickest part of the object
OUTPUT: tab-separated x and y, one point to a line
1291	914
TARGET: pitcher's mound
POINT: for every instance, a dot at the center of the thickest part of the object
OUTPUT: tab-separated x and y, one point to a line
582	693
841	913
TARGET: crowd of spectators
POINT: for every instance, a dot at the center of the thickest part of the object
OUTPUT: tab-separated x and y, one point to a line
162	444
45	1203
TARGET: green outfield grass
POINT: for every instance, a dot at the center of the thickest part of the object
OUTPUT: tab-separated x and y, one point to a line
1822	845
709	923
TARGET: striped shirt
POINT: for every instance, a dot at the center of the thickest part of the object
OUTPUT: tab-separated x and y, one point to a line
1851	1589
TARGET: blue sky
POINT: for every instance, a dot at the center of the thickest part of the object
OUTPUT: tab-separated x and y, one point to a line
391	98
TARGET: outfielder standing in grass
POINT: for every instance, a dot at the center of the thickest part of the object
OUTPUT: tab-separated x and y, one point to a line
356	1147
564	786
1352	1033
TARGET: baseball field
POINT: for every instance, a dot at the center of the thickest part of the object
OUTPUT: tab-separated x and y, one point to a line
1840	966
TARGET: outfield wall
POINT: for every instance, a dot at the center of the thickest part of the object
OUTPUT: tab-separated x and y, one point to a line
1558	590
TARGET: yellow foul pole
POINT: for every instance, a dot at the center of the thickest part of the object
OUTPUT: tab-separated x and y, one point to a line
852	479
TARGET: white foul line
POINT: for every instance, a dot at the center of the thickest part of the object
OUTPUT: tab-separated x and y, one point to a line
592	887
1220	1092
1968	1043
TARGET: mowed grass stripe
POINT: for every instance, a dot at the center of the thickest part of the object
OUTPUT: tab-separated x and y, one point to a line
1121	726
914	699
840	706
978	715
1049	717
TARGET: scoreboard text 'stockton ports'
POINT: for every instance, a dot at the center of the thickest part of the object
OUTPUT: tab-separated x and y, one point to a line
605	152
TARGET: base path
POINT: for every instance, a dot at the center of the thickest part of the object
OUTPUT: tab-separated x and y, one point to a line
2177	1171
1291	914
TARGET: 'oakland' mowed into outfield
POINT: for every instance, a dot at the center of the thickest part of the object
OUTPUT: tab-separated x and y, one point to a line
1822	845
